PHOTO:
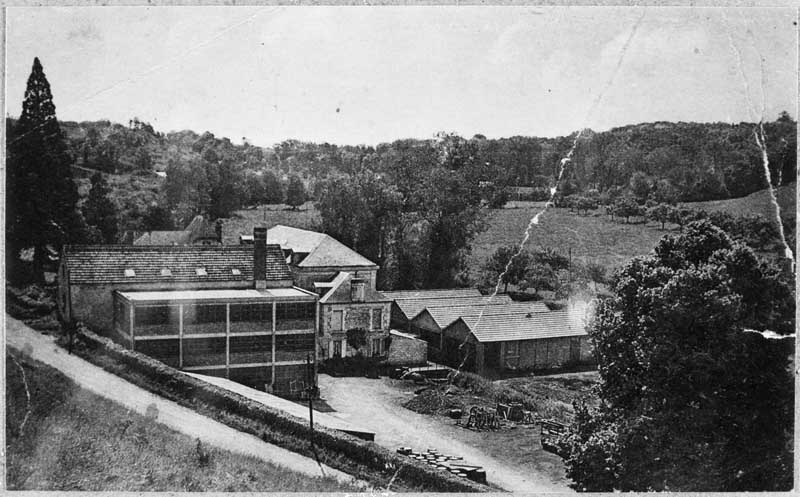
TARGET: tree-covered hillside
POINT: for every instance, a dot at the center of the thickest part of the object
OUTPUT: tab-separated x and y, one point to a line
701	161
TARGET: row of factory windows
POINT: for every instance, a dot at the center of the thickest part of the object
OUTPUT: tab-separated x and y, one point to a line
216	313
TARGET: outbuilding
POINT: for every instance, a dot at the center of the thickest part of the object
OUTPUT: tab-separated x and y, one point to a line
532	341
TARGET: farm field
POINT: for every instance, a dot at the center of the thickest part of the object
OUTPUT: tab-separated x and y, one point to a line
595	237
592	238
73	439
755	203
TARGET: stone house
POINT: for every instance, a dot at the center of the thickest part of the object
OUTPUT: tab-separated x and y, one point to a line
229	311
345	281
316	257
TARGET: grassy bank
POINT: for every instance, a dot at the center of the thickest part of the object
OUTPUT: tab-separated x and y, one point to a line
73	439
364	460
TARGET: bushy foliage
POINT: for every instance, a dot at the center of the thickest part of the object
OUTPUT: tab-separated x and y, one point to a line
99	211
690	399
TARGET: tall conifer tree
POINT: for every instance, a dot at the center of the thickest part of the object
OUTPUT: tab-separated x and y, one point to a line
41	196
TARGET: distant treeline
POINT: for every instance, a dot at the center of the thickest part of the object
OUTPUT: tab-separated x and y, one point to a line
701	161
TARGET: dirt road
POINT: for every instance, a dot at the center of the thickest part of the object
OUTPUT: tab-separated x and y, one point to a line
376	405
179	418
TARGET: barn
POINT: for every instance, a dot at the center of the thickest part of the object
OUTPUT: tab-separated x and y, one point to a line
531	341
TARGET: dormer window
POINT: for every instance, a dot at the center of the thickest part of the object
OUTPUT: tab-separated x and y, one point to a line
166	272
201	271
130	273
236	272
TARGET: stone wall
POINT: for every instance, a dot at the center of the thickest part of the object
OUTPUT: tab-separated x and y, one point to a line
406	350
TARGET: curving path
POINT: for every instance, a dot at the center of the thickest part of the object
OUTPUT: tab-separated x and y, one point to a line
179	418
376	406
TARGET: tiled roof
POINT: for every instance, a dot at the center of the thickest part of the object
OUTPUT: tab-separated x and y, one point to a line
501	328
107	263
412	307
433	294
322	250
444	316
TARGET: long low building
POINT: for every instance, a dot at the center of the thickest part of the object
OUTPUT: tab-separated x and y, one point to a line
531	341
406	306
432	320
225	311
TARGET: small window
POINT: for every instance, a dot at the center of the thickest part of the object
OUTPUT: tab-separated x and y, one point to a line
166	272
512	349
377	318
201	271
236	272
336	321
130	273
337	348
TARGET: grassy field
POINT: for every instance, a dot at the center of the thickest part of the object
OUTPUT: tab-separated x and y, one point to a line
592	238
595	237
75	440
755	203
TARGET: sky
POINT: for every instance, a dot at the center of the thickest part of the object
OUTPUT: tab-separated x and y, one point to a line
365	75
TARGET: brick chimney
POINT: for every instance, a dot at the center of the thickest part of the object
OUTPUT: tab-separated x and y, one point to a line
357	290
260	258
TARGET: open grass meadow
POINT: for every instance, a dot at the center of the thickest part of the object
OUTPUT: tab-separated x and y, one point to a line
597	238
66	438
755	203
591	238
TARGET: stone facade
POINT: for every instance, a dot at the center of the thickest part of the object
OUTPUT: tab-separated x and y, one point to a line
371	316
407	350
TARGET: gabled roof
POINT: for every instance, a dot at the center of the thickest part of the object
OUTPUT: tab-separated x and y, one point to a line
444	316
433	294
322	250
338	290
97	264
501	328
412	307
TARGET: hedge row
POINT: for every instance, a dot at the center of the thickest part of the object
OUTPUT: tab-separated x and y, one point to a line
336	449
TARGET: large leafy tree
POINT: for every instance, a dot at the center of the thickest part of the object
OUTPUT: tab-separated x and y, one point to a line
295	192
41	195
507	262
99	211
691	397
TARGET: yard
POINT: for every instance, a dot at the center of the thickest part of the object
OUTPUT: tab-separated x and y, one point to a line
512	456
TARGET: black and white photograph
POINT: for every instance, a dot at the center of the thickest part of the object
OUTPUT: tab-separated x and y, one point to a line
400	249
